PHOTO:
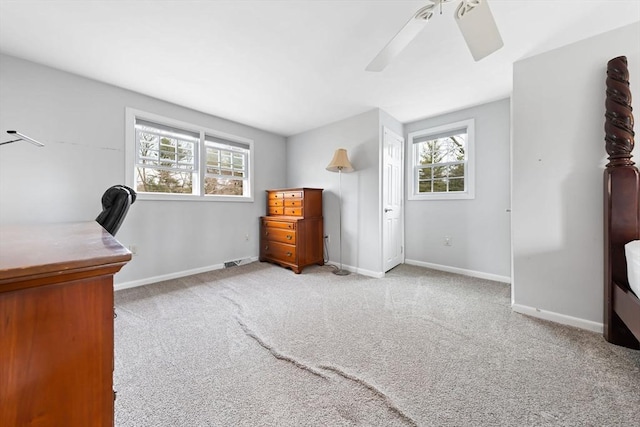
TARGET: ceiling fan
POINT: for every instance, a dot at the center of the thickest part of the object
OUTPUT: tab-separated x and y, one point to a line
474	19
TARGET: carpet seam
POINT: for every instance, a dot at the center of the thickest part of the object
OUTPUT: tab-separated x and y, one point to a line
382	395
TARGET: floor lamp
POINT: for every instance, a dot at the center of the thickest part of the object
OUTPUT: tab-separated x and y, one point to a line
340	163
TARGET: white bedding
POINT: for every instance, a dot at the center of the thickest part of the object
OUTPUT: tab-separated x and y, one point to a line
632	253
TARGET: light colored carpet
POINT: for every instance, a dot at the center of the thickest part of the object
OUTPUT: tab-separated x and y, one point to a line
258	345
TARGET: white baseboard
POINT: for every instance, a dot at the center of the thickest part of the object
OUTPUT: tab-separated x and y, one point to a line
176	275
464	272
558	318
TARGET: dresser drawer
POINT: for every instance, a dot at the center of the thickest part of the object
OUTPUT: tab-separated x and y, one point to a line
291	203
280	235
275	210
293	195
293	211
280	251
276	195
279	224
276	202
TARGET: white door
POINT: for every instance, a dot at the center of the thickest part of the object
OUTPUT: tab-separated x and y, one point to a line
392	200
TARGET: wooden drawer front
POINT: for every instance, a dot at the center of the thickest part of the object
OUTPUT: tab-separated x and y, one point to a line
280	251
276	195
279	224
276	202
276	210
280	235
292	203
293	195
293	211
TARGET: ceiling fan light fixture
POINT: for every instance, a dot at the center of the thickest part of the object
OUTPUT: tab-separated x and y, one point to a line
424	13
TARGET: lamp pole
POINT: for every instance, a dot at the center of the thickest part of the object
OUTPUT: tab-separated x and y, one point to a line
340	272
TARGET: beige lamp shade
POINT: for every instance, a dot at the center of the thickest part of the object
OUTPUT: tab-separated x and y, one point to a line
340	162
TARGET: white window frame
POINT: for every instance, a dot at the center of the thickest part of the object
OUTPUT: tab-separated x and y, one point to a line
469	177
132	114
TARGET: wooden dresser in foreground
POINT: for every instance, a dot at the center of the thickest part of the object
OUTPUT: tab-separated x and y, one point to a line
56	324
291	234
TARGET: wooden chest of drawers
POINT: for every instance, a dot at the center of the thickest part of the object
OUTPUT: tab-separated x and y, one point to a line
56	333
291	234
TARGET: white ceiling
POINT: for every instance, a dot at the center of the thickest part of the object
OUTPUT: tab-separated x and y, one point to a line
290	66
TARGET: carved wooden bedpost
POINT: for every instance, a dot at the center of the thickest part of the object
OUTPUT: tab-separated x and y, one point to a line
622	201
618	126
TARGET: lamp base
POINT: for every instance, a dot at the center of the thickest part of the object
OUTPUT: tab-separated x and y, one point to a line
341	272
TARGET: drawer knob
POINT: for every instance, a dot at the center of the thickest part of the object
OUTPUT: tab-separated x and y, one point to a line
289	254
289	237
266	233
266	248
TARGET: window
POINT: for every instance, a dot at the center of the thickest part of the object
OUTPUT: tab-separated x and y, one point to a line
442	162
226	166
167	159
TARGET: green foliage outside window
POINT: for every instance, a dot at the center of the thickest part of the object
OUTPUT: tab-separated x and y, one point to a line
167	164
441	165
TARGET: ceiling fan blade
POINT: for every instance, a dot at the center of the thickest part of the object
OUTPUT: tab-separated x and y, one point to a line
478	28
402	39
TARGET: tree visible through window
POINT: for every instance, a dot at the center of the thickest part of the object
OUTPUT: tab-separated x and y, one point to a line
442	162
226	168
168	157
166	160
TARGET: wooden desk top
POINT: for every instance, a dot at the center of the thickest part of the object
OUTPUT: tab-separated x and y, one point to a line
32	255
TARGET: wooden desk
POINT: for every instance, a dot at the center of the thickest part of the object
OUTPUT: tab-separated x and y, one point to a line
56	324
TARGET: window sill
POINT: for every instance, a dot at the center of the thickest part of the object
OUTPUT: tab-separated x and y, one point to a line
191	198
442	196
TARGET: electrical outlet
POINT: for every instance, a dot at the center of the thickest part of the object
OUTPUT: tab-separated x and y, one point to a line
447	241
246	237
327	238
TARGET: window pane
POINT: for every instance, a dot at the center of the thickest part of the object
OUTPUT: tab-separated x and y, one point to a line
213	156
424	173
163	181
424	186
425	155
440	171
226	159
456	184
220	186
439	185
456	170
238	161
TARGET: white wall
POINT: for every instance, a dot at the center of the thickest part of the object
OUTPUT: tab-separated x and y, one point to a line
82	123
479	228
308	155
558	159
